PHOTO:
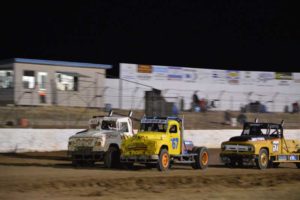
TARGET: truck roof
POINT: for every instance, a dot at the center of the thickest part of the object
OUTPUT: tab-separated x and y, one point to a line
155	119
263	125
114	118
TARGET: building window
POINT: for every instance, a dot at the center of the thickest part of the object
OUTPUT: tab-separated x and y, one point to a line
42	79
6	79
28	79
67	81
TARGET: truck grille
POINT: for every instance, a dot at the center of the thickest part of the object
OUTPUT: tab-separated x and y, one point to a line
236	148
137	147
84	149
84	142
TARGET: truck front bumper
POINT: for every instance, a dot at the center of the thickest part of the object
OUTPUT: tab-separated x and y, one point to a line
235	157
139	159
86	155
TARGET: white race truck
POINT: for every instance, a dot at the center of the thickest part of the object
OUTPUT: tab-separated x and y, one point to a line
101	141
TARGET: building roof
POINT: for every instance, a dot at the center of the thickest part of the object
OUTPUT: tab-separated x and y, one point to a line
56	62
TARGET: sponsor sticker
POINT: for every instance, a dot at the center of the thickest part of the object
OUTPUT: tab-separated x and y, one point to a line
293	157
174	143
275	146
282	157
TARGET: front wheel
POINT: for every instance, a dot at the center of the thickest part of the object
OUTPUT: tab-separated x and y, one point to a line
201	159
163	160
112	158
263	159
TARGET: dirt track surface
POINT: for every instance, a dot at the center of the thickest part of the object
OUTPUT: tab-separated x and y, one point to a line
51	176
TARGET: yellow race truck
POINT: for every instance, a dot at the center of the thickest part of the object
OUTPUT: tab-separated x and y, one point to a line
262	144
159	143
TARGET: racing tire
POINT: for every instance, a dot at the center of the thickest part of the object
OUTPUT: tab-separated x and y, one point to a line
298	165
201	159
262	161
112	158
163	160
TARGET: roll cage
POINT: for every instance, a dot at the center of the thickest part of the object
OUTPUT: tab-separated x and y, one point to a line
270	129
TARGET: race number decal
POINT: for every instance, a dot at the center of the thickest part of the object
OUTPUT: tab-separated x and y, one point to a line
275	146
174	143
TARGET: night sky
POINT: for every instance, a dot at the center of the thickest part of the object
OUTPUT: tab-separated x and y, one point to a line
242	35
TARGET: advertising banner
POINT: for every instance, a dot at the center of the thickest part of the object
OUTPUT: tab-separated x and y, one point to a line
218	76
296	77
144	72
247	78
175	74
190	75
284	78
233	77
128	71
265	79
160	72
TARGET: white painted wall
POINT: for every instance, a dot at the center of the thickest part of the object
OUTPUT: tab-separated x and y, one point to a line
28	140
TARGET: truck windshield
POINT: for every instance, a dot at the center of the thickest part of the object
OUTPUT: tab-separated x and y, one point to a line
255	131
108	125
155	127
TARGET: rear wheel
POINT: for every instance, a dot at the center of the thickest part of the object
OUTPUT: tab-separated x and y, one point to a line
112	158
263	159
163	160
201	159
298	165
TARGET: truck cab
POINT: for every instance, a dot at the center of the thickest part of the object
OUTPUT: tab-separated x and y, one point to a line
159	142
101	141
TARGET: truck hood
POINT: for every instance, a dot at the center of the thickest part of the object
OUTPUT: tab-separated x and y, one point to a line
94	133
150	136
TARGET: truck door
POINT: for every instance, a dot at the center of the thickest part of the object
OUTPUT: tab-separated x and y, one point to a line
276	141
175	141
125	129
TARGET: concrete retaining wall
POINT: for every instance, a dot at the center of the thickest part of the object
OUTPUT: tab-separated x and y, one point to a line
25	140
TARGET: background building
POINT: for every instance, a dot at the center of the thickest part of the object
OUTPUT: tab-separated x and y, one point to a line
48	82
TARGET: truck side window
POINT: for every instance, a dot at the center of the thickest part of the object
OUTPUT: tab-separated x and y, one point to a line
124	127
173	129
